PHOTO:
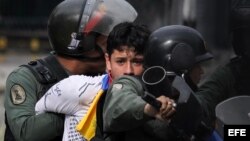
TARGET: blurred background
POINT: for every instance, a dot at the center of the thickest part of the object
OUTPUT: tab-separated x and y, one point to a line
23	30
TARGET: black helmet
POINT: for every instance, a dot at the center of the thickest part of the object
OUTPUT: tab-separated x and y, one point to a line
171	52
176	48
74	24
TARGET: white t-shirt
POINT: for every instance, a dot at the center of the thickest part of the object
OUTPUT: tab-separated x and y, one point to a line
71	96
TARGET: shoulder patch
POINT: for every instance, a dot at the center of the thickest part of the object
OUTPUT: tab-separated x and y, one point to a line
117	86
18	94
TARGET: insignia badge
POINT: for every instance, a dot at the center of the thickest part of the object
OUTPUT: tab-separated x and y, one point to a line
117	87
17	94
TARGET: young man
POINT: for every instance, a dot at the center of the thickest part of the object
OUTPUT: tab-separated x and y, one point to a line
77	31
127	117
73	96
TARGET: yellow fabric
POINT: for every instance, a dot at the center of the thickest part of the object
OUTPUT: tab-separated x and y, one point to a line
87	125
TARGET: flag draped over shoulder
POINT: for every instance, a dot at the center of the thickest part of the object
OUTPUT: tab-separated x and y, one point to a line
87	126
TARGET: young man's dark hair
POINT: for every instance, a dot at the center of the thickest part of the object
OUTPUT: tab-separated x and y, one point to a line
126	45
129	34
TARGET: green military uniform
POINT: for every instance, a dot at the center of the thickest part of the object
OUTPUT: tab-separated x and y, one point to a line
231	80
22	92
124	113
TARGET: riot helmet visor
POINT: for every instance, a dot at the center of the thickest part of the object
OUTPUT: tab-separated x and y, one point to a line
101	16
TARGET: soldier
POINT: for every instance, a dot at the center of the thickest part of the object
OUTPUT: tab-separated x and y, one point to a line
74	95
126	115
233	78
77	32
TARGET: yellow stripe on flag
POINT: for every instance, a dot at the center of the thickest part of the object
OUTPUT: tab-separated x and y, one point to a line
87	125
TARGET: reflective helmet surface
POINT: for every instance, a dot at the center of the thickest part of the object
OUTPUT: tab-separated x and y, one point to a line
176	48
74	24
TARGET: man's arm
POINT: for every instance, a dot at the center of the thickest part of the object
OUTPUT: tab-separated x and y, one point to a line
125	109
63	97
219	86
70	96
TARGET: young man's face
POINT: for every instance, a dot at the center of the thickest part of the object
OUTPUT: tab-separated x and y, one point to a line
124	62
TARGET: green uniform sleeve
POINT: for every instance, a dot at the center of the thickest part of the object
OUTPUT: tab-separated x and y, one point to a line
124	107
21	94
218	87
